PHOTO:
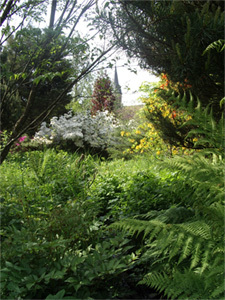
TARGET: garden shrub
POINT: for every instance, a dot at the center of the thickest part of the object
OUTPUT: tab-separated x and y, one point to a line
147	136
81	131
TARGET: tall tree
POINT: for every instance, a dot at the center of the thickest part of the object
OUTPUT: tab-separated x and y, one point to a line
43	60
16	56
170	37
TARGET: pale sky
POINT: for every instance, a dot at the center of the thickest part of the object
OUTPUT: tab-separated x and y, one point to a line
129	81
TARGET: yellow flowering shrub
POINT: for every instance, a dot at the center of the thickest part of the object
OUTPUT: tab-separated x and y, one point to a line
146	137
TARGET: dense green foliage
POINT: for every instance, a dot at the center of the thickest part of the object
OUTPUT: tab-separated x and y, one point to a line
52	239
170	37
23	61
184	244
75	226
58	238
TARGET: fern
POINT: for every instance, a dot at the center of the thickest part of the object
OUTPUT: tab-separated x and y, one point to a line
204	177
219	46
185	244
203	126
179	285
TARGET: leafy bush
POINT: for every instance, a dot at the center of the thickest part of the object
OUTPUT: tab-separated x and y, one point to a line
123	190
157	131
35	266
41	181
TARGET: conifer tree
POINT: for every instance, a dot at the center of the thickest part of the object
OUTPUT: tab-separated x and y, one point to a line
170	37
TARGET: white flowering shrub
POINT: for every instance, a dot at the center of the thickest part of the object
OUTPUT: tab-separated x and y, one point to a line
84	130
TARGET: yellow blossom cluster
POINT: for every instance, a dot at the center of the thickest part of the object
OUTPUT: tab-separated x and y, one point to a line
124	133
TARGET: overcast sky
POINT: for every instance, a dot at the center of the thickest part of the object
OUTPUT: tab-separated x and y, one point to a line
129	81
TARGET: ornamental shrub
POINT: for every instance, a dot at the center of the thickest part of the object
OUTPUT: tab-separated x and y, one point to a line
83	131
148	136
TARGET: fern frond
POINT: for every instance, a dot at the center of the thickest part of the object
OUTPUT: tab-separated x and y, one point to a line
219	46
137	226
175	214
155	232
157	280
205	258
215	216
179	244
186	249
177	285
196	255
198	229
205	178
217	269
202	124
218	292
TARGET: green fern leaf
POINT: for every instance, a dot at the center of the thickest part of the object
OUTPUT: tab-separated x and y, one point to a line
218	292
186	249
205	260
154	232
219	46
179	243
196	255
198	228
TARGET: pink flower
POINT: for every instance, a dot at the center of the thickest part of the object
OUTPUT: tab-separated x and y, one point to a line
21	139
17	144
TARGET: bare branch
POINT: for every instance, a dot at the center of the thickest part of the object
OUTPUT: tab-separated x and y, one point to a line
7	10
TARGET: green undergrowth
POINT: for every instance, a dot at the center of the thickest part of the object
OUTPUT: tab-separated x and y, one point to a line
76	227
127	188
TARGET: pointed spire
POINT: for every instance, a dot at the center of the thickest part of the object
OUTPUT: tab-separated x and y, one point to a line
118	91
116	82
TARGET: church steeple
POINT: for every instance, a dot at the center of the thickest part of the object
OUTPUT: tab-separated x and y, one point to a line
116	82
117	88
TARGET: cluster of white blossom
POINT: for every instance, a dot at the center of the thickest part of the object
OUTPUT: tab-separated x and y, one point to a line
83	129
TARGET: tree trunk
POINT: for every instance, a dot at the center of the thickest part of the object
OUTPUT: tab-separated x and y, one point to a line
53	11
5	151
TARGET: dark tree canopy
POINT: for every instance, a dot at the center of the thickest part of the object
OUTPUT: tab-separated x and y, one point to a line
170	37
20	64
